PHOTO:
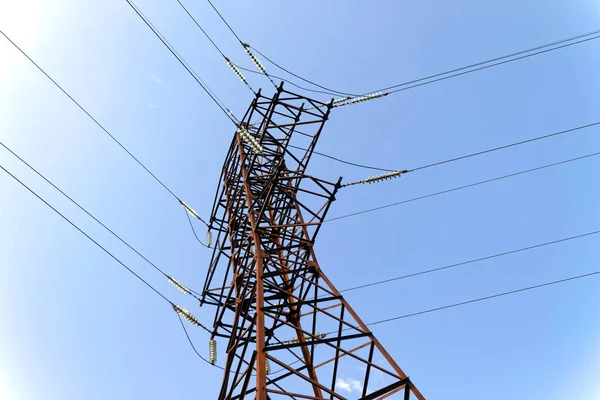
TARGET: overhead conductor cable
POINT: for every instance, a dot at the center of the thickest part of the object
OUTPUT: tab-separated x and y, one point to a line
137	160
231	65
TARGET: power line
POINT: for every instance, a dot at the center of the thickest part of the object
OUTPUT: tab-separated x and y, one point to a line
301	78
478	153
246	46
88	236
454	72
534	139
90	214
329	92
572	278
194	347
462	187
98	244
189	69
287	81
95	121
102	247
497	255
518	53
507	146
194	230
342	161
223	19
89	115
231	64
400	89
201	29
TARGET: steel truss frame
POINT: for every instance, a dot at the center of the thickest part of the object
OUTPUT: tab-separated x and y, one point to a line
274	305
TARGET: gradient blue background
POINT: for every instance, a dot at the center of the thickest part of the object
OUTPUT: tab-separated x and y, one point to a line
75	325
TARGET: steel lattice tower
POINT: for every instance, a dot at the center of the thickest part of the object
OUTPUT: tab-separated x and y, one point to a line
289	332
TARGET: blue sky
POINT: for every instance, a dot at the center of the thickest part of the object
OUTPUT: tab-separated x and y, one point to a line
74	324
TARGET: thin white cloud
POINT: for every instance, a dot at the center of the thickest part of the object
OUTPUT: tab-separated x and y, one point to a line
349	385
152	105
156	79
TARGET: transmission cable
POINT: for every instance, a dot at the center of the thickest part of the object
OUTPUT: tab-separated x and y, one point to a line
194	230
533	49
342	161
288	81
497	255
463	187
337	92
507	146
545	46
87	236
96	122
397	173
494	60
223	19
201	29
171	279
485	66
107	252
189	69
465	69
541	285
194	347
246	46
233	66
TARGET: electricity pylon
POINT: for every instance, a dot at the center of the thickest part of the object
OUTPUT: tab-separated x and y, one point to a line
289	332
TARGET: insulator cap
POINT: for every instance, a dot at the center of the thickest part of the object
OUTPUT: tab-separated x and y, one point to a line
212	351
179	286
255	60
186	314
383	177
359	99
189	209
236	71
297	339
208	238
267	366
247	137
341	100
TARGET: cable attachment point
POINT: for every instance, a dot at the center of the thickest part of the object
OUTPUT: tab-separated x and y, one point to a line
247	137
360	99
179	286
186	314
